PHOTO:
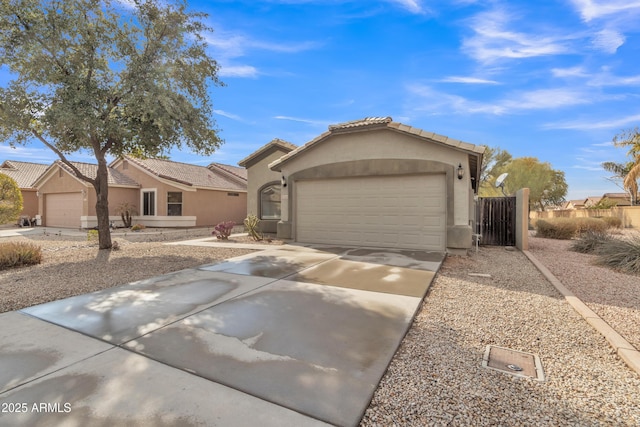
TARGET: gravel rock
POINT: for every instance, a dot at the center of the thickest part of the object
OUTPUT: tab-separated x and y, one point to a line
73	266
612	295
436	377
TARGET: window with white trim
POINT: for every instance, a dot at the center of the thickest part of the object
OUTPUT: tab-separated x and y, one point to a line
149	202
174	203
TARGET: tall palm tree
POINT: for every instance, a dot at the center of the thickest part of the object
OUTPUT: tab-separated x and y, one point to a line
629	172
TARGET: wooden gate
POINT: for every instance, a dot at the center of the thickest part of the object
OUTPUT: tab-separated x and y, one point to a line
496	220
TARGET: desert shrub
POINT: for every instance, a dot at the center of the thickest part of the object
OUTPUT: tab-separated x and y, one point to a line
138	227
621	254
556	228
16	254
252	223
223	230
92	235
612	221
590	241
590	224
126	211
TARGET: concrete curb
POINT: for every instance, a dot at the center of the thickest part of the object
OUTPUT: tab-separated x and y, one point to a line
623	348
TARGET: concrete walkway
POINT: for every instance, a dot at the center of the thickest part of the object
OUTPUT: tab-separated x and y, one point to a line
286	336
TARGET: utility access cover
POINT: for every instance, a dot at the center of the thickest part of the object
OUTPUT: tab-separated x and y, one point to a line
513	362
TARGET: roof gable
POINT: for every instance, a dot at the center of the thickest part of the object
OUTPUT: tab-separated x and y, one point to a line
475	152
90	170
188	174
24	173
233	172
275	145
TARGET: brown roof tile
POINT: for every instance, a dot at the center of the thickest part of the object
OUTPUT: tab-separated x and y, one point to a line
91	170
265	150
24	173
188	174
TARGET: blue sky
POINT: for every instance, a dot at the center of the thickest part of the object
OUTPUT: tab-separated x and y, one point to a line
554	80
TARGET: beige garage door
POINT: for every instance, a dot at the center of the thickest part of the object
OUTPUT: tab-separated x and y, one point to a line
390	212
63	210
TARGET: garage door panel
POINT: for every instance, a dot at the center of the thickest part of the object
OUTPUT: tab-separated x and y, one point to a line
63	210
397	211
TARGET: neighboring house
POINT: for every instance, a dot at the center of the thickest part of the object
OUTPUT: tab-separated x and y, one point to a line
264	186
375	182
592	201
164	193
25	174
619	199
576	204
174	194
67	201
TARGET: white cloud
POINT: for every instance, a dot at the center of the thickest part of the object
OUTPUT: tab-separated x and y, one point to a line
493	40
569	72
307	121
412	6
541	99
227	115
593	124
468	80
238	71
608	40
594	9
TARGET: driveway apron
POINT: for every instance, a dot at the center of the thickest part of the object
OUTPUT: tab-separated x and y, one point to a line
286	336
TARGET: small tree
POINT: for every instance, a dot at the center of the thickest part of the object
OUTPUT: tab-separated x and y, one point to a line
126	211
102	77
10	199
547	186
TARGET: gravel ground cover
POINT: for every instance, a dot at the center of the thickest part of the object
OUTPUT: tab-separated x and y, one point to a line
614	296
436	377
72	265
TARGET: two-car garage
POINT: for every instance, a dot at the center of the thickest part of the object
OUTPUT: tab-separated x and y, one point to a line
378	211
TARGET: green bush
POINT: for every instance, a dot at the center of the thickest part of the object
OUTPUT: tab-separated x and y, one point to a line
16	254
590	241
556	228
612	221
92	235
621	254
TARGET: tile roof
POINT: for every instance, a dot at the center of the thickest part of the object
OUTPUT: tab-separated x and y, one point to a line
265	150
234	171
91	170
381	123
24	173
188	174
367	121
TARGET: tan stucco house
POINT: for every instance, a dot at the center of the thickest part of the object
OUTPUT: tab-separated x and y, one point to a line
264	185
164	193
379	183
25	174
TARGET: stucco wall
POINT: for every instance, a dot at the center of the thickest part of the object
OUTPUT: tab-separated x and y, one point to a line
385	152
29	203
259	175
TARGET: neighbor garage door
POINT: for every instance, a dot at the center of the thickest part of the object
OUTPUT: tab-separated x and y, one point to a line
390	212
63	210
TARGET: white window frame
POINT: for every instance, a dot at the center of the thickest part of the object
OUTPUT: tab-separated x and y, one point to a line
155	200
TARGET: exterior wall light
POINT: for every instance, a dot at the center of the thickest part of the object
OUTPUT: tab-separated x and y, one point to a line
284	181
460	171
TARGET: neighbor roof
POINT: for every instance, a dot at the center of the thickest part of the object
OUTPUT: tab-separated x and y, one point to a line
90	170
188	174
24	173
234	172
262	152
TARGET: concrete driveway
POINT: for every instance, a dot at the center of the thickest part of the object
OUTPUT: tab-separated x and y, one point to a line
286	336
